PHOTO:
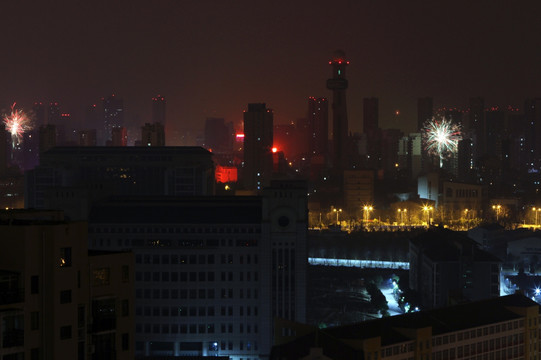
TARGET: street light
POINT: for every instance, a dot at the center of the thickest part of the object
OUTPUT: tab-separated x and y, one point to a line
427	210
402	212
536	210
497	208
337	211
367	209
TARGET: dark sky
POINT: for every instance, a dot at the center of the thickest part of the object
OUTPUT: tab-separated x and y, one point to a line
211	58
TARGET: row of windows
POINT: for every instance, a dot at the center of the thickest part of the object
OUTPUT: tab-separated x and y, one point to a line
194	276
213	346
195	311
193	259
174	230
195	293
195	328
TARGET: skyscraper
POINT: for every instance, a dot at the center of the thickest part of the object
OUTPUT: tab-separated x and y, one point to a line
158	109
113	115
318	121
425	111
258	140
370	115
152	135
338	84
477	123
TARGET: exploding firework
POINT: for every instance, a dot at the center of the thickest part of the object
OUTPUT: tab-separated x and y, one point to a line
441	138
17	123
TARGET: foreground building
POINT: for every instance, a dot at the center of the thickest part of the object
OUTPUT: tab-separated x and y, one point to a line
211	272
57	301
500	328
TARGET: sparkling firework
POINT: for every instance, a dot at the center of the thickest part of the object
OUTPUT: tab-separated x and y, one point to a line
17	123
441	138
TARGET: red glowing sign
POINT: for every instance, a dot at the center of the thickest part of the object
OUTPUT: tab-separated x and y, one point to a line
239	137
226	174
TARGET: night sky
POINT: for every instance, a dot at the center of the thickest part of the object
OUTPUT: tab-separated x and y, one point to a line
212	58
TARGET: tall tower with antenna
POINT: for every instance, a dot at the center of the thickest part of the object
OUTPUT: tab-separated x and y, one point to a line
338	84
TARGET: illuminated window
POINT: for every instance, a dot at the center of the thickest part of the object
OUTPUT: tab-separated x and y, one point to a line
65	257
100	276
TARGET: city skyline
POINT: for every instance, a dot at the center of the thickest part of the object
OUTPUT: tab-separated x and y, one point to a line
209	59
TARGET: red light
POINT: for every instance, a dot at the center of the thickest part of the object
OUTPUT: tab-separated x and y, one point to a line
274	149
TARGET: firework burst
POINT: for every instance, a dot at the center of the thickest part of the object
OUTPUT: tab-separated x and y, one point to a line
17	123
441	138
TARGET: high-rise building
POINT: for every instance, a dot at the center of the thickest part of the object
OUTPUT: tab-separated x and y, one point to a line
158	110
477	124
38	110
318	121
338	84
370	115
258	142
219	135
152	135
113	115
47	137
87	137
53	113
425	111
532	113
119	136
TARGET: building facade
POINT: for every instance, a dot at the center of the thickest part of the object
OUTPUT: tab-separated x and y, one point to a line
498	329
56	301
211	273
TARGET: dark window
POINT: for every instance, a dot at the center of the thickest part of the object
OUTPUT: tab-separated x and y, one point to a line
34	320
125	341
65	332
125	307
34	284
65	297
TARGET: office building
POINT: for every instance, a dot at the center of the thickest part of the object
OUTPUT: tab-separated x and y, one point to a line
358	190
88	137
258	143
447	267
152	135
113	116
338	84
56	301
318	122
119	136
211	272
158	110
219	136
96	172
500	328
425	111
